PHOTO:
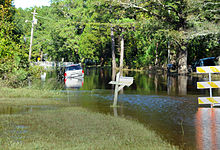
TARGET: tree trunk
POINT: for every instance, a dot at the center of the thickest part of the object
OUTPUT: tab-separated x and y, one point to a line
168	51
182	61
122	52
168	57
41	55
156	60
113	49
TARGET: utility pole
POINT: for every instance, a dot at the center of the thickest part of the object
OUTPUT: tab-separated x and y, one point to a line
122	52
34	21
113	49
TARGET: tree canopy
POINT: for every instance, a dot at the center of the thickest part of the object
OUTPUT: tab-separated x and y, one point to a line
155	32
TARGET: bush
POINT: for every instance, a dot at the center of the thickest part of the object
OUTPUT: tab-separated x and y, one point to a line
35	71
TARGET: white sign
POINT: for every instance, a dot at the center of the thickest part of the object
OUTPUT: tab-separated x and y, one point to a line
119	84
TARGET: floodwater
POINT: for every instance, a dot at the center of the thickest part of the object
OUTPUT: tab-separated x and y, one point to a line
165	104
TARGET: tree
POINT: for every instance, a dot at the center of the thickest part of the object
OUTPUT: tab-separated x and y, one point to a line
13	61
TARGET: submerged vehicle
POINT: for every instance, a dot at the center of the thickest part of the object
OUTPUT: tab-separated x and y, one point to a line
73	71
75	83
209	61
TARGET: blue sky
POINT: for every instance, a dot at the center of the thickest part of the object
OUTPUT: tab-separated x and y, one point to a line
30	3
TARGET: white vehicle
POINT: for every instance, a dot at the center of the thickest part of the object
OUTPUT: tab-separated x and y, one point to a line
74	71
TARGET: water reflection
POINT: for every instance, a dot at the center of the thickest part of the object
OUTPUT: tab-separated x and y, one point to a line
208	128
12	110
74	82
115	110
22	109
182	85
165	103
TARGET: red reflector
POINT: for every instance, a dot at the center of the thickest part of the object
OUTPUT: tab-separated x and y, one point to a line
65	74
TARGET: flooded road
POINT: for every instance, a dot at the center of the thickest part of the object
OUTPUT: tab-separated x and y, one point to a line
165	104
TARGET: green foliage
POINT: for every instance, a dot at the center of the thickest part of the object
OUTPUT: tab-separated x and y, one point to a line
204	46
79	31
35	71
13	60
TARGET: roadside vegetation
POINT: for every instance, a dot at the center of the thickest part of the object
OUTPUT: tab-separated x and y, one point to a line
93	32
151	34
75	128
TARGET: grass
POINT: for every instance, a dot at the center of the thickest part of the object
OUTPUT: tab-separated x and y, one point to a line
6	92
30	96
75	128
21	97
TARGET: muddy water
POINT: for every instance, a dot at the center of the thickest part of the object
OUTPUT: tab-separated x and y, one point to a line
166	104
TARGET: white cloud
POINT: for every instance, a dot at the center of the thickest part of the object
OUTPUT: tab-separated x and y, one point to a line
31	3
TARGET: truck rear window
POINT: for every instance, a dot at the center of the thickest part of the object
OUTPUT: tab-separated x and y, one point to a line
209	62
73	68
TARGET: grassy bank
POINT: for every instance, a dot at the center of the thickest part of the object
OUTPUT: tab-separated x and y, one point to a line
25	97
33	91
68	127
75	128
6	92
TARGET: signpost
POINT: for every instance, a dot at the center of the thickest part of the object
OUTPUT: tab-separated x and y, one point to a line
213	101
119	84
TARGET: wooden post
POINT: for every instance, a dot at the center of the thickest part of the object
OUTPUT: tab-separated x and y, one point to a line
116	90
113	49
210	80
115	111
122	52
119	84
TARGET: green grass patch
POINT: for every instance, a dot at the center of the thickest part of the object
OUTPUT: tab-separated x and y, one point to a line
75	128
32	102
30	96
6	92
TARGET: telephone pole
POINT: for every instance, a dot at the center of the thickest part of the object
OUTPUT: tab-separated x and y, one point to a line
34	21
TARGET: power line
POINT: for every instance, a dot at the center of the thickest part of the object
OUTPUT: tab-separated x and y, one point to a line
98	23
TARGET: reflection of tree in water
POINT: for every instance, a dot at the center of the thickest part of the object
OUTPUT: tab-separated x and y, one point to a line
12	110
171	85
156	83
96	78
182	85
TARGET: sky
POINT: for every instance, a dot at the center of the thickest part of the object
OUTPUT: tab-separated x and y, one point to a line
30	3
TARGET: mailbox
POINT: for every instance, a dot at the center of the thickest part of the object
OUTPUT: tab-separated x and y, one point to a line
119	84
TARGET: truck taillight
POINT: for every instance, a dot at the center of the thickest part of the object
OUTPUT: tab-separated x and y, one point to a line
82	71
65	74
